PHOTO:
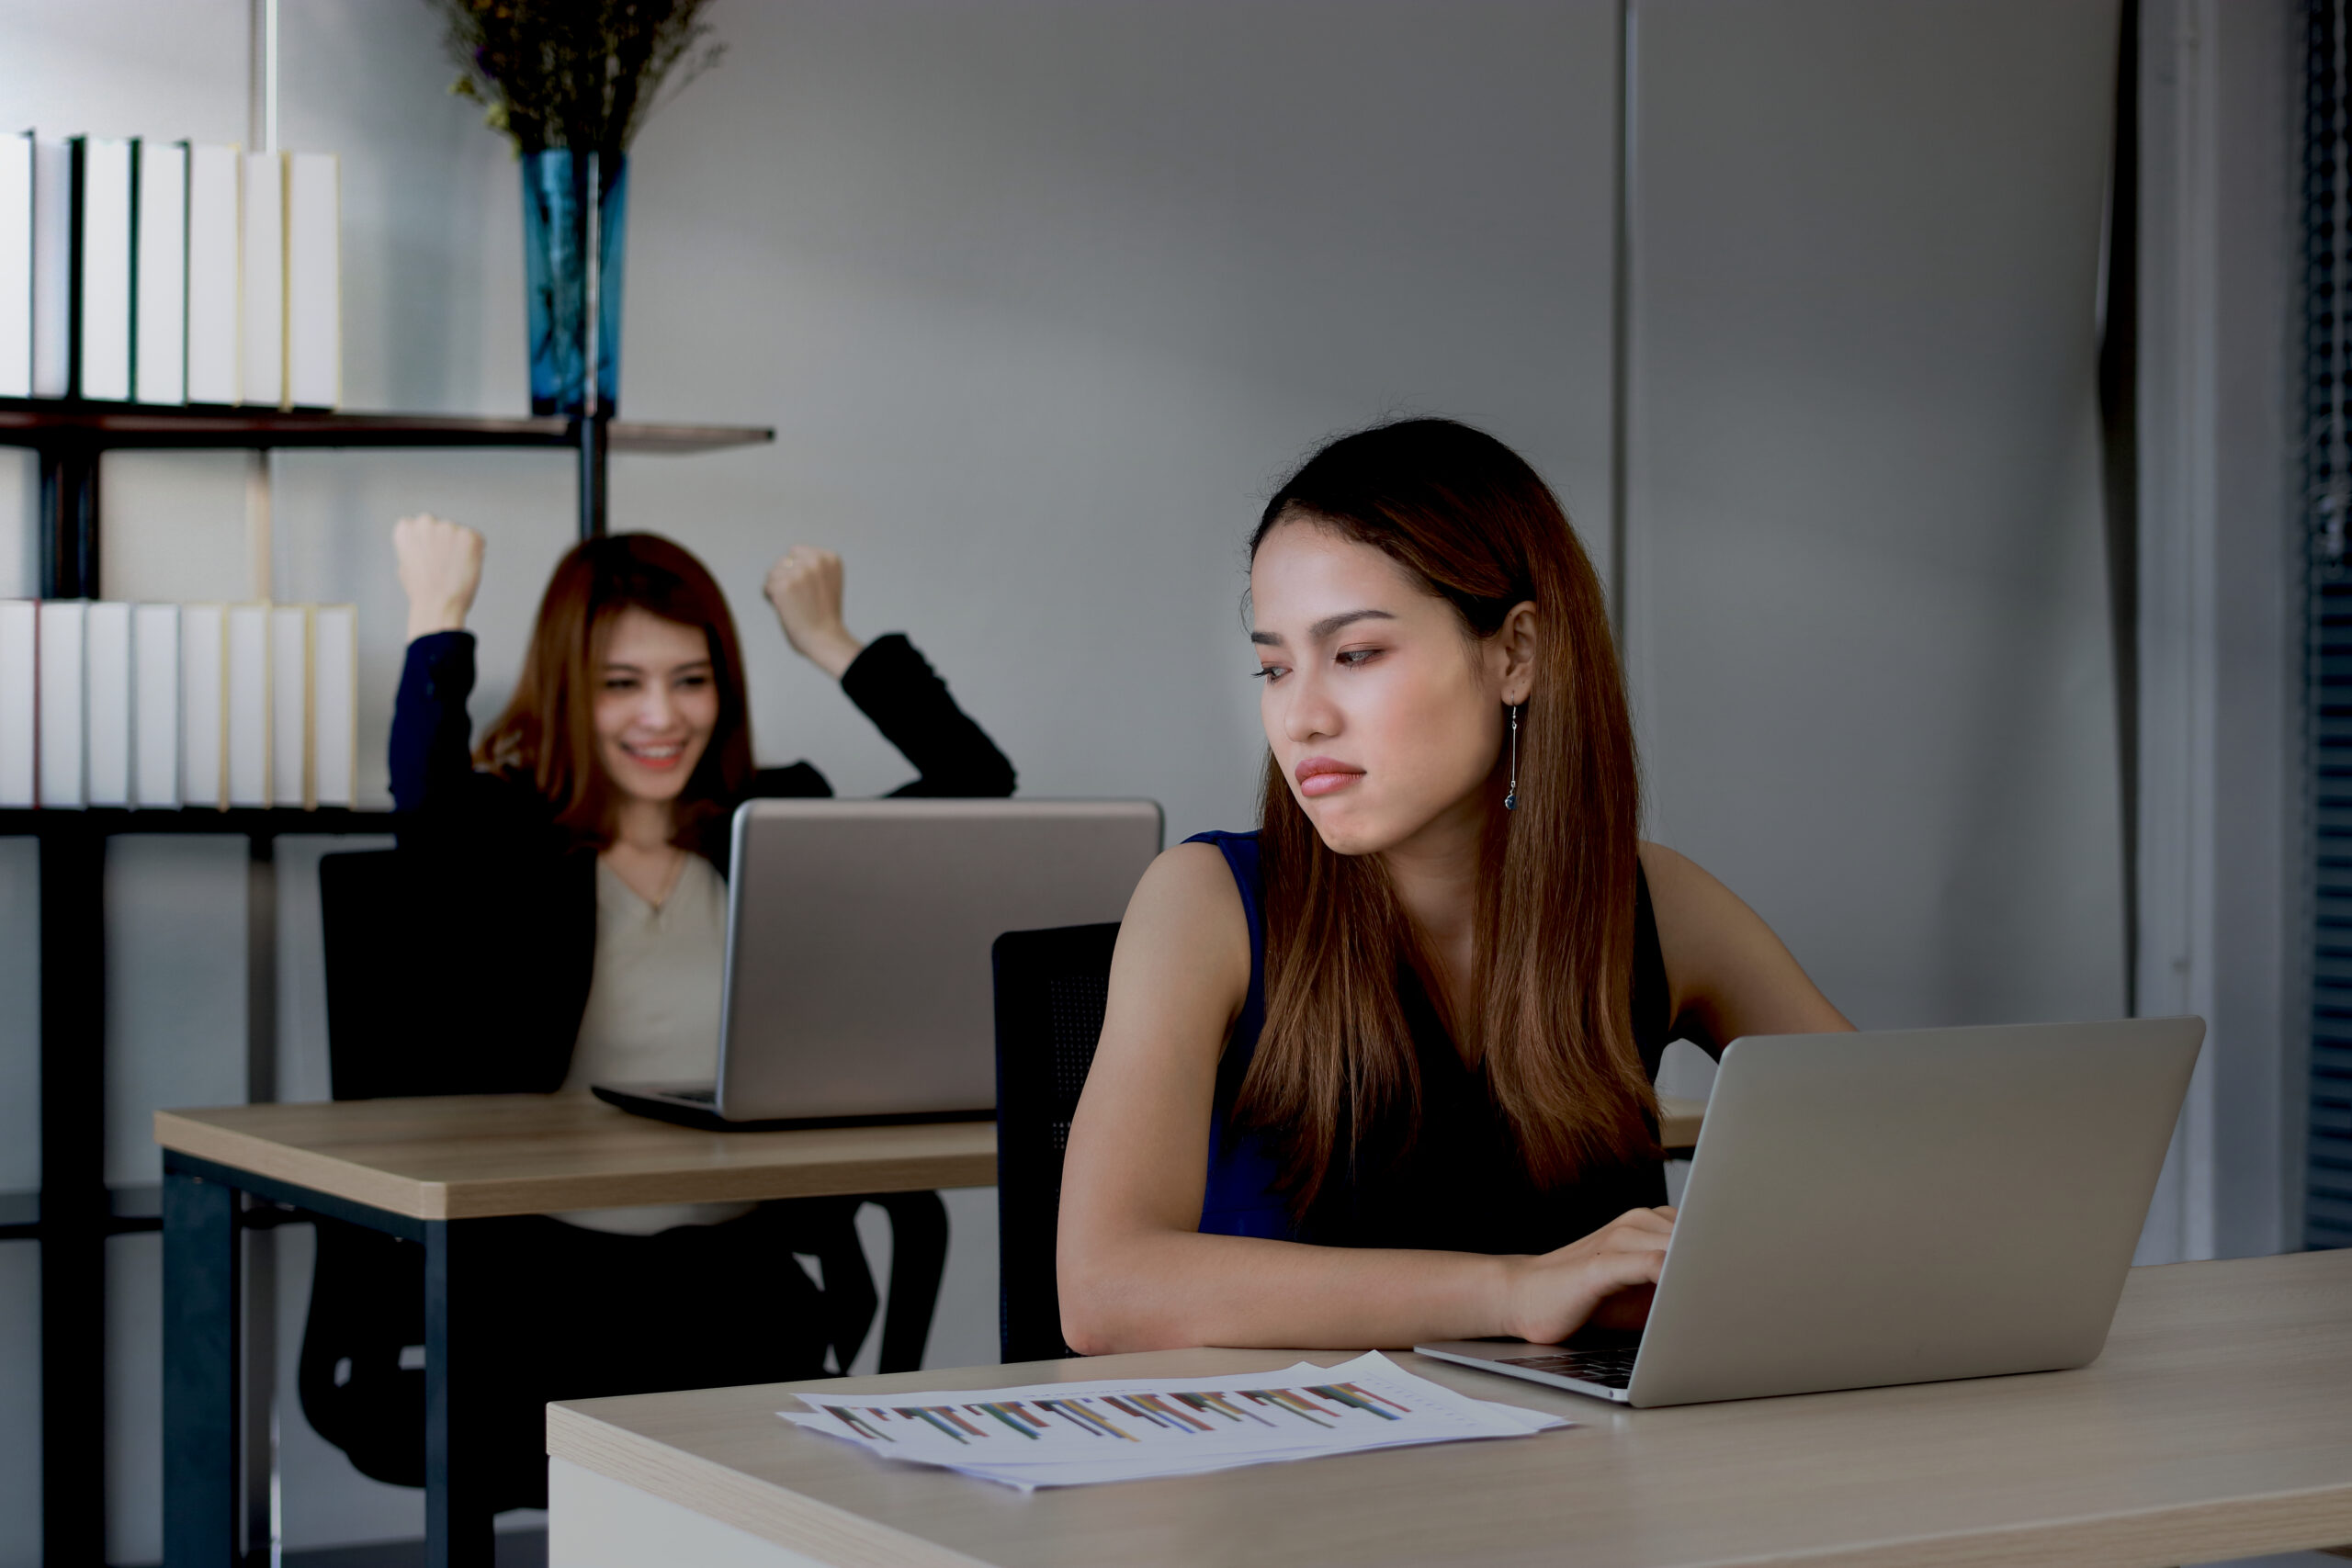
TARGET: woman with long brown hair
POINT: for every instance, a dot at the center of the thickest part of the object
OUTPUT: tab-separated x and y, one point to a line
1382	1070
588	829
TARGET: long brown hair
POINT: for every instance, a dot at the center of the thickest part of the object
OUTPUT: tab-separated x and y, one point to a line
1475	526
548	733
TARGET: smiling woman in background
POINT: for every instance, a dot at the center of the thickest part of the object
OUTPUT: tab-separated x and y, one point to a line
584	842
1382	1070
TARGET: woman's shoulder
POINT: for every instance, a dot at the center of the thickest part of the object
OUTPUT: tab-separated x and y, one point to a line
1186	921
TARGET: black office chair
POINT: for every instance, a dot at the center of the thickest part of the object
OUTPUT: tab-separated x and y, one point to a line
367	1289
1050	990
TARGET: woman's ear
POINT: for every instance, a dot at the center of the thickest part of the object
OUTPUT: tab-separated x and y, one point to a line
1514	648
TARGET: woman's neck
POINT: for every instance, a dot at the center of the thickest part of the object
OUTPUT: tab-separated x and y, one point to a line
1435	875
643	826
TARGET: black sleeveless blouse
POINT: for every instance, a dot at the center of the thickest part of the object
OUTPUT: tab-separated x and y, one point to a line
1455	1184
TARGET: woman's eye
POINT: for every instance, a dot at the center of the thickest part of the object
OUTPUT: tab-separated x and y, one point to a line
1269	673
693	680
620	683
1355	656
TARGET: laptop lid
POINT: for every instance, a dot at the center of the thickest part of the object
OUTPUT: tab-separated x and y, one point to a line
1905	1207
858	933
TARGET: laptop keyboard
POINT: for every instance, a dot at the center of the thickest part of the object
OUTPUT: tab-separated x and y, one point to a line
1610	1368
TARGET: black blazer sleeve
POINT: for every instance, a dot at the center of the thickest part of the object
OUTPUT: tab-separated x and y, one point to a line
909	704
497	924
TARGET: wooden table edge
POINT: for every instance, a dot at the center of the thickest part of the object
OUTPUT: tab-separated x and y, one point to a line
773	1513
325	1173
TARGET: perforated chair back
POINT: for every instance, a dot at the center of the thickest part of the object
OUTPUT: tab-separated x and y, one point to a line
1050	990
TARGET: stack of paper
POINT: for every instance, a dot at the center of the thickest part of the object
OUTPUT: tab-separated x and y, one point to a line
1072	1434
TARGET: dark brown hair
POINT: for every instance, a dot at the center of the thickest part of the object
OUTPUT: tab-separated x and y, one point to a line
1475	526
548	733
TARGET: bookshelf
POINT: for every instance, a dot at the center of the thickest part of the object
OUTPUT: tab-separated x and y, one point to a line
75	1213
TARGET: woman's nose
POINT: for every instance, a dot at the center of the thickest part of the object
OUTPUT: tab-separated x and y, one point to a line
1311	713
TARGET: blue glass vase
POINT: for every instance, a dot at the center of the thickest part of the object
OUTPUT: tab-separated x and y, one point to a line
572	250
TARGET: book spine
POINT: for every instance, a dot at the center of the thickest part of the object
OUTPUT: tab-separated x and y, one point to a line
313	282
262	365
155	706
16	265
334	722
215	231
105	713
104	262
289	700
250	758
159	336
19	703
204	698
52	267
64	758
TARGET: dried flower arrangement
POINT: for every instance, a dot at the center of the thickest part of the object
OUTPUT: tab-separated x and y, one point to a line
583	74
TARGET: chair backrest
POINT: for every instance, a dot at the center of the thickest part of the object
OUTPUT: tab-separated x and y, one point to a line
366	925
1050	989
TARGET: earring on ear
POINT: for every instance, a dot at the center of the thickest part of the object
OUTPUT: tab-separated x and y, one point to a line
1511	801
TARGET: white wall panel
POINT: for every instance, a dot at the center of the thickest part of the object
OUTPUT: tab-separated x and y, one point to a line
1868	601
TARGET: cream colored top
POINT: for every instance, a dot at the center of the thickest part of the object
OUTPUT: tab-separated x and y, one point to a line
653	1013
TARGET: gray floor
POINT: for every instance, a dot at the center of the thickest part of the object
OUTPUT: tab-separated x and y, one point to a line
516	1549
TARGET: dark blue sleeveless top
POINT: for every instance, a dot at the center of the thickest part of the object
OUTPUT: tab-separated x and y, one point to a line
1455	1185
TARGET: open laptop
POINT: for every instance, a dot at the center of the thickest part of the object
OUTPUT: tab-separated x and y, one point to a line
1894	1208
858	986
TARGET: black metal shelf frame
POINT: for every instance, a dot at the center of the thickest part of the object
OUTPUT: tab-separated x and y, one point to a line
75	1214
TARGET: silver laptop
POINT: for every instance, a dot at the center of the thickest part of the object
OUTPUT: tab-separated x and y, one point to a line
1894	1208
858	986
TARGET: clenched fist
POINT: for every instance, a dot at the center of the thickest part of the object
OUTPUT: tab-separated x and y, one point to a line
806	589
440	564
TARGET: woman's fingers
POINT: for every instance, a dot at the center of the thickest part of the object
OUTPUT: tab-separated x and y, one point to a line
805	586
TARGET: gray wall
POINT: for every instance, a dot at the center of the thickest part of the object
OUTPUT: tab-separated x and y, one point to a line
1042	299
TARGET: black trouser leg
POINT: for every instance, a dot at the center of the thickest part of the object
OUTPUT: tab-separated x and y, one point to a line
201	1372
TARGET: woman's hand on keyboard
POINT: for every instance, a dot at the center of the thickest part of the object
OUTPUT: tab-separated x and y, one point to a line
1550	1297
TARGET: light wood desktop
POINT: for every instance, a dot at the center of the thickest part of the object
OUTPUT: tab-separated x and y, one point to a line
472	1157
2217	1424
455	1175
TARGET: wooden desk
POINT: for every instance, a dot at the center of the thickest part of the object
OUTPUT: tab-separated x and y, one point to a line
451	1173
2217	1424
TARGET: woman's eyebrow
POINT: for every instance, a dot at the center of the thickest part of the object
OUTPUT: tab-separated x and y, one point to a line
1324	627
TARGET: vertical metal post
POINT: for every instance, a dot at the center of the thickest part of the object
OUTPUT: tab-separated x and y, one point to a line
73	1193
257	1394
69	521
201	1376
593	437
460	1364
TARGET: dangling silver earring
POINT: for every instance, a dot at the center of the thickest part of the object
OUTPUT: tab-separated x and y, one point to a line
1511	801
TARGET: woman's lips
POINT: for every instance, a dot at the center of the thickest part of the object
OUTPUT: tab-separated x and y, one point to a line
662	759
1322	775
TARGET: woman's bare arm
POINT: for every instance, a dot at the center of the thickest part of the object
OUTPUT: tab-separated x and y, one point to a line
1135	1271
1728	974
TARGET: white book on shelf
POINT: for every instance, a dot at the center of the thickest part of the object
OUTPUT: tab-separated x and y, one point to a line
159	336
105	309
334	705
62	757
155	706
204	705
106	708
52	267
20	702
289	704
261	361
16	265
313	281
215	232
247	685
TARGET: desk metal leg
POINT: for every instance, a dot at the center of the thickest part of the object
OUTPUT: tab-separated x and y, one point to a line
460	1361
200	1372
